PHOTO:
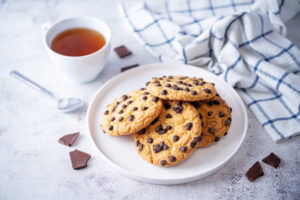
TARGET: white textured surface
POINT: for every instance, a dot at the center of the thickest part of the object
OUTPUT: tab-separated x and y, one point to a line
33	165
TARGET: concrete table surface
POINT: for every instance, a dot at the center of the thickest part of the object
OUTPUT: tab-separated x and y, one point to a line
33	165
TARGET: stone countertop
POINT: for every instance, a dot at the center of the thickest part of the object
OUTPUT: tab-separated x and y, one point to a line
33	165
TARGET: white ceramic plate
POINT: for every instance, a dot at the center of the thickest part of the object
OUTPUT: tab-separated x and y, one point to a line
120	151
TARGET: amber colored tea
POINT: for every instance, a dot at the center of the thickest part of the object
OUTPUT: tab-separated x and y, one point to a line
77	42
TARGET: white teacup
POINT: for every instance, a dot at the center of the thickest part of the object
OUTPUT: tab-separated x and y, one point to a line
80	69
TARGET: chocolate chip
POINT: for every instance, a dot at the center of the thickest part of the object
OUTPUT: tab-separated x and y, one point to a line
154	121
142	89
124	97
144	98
221	114
168	127
200	116
137	143
165	147
211	130
197	139
193	144
194	93
123	69
157	148
160	78
170	77
183	149
202	124
272	160
69	139
141	146
150	140
177	110
172	158
254	172
118	102
111	128
121	119
143	131
146	93
106	112
124	106
167	106
168	115
229	118
225	133
196	82
121	111
158	84
208	91
168	85
175	87
175	138
156	81
159	128
189	85
188	126
164	92
210	113
112	119
79	159
122	51
144	108
114	109
216	102
230	109
135	108
195	104
186	89
155	99
131	118
129	102
217	139
163	162
147	83
210	103
202	83
227	122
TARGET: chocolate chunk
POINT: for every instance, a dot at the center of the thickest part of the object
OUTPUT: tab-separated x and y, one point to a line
210	103
150	140
135	108
144	98
112	119
186	89
167	106
121	111
129	102
69	139
124	97
168	85
227	122
254	172
146	93
225	133
163	162
165	147
122	51
155	99
164	92
168	115
144	108
143	131
154	121
175	138
106	112
210	113
208	91
217	139
183	149
123	69
121	119
221	114
193	144
216	102
189	126
141	146
111	128
272	160
79	159
200	116
212	130
168	127
194	93
197	139
172	158
131	118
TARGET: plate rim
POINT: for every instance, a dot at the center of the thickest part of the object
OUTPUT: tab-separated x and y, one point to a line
154	180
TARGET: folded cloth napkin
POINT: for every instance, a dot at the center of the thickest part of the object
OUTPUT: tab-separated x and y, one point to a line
242	41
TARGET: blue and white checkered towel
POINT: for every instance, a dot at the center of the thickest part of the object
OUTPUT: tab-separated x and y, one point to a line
243	41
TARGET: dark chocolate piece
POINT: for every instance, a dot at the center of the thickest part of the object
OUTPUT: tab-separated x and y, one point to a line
254	172
79	159
69	139
272	160
122	51
123	69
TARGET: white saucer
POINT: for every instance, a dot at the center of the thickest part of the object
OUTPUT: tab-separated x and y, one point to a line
120	151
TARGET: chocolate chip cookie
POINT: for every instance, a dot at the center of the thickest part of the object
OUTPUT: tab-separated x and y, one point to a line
215	116
181	88
172	136
130	113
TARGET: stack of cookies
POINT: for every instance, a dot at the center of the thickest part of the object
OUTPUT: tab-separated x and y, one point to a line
169	118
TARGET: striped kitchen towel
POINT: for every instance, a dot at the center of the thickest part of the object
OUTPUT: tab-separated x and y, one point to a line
242	41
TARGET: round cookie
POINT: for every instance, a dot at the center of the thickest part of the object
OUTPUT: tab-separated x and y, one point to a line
172	136
215	117
130	113
181	88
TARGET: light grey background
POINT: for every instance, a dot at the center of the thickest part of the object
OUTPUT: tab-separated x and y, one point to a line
33	165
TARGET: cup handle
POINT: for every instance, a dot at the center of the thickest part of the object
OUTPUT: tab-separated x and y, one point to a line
45	27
